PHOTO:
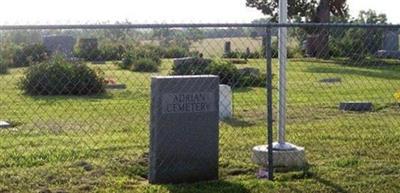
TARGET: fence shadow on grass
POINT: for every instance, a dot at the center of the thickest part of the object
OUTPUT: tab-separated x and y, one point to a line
235	122
49	98
388	74
330	184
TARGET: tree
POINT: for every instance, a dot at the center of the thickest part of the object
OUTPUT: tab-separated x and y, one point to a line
307	11
302	10
359	43
371	17
366	41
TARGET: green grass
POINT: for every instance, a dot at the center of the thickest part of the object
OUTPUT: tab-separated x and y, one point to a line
100	144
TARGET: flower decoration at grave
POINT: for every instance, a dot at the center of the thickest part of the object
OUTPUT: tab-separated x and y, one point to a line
397	96
110	81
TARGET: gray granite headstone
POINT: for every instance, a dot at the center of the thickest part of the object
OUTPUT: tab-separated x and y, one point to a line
88	44
227	48
391	41
63	45
248	51
184	129
89	50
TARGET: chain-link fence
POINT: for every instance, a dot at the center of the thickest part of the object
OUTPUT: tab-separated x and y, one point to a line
76	103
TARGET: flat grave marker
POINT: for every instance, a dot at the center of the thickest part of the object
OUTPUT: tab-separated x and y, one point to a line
331	80
356	106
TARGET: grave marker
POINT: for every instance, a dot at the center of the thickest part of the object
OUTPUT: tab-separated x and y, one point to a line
356	106
331	80
227	48
63	45
225	101
184	129
391	41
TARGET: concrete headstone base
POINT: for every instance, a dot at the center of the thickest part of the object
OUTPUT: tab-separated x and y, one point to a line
291	158
4	125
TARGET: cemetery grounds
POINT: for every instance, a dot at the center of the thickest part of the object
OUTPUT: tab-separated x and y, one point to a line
101	144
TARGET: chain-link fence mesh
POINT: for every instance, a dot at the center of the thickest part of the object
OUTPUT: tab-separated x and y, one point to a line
78	103
342	100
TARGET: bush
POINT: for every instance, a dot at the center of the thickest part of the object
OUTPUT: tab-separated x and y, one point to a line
90	55
112	51
7	54
28	55
3	66
357	44
232	54
88	49
145	65
230	75
148	51
59	77
127	60
142	59
251	80
190	66
243	55
226	70
294	49
175	52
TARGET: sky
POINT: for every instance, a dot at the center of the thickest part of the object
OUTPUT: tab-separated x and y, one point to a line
152	11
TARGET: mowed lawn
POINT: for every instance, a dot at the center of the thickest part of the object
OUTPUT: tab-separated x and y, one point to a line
101	143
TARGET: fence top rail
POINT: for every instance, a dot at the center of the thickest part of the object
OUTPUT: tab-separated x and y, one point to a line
188	25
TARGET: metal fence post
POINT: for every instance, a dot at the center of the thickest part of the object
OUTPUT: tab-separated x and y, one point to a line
268	56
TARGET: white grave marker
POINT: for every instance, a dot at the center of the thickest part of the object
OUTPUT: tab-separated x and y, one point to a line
225	101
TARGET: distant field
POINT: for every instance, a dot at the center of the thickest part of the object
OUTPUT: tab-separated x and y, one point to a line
214	47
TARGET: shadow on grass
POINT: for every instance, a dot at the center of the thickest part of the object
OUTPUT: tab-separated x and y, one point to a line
330	184
386	107
235	122
364	63
249	89
389	74
242	90
205	187
138	168
306	173
55	98
293	173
